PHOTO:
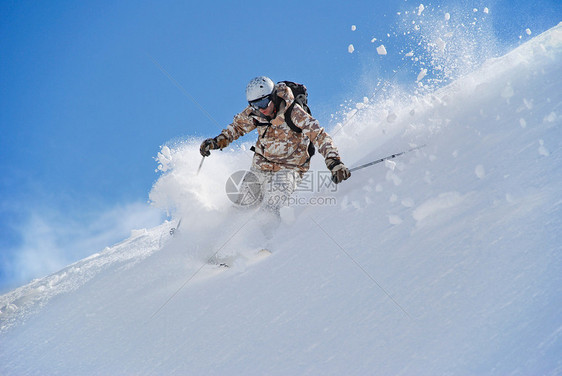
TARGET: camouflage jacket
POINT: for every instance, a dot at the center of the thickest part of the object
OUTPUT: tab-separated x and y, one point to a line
278	146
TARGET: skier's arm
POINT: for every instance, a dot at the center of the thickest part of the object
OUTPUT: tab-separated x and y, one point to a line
315	133
323	142
241	125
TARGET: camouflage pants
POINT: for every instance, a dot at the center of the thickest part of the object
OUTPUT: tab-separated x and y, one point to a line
268	190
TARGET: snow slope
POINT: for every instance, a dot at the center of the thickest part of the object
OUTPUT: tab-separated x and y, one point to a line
446	260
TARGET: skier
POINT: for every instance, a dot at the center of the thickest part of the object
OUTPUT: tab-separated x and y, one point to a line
286	136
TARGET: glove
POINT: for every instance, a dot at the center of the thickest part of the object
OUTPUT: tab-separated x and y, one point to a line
207	145
339	171
219	142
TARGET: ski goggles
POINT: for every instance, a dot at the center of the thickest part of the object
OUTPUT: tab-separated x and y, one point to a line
262	103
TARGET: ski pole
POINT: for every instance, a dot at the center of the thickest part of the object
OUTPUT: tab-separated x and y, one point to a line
385	158
200	165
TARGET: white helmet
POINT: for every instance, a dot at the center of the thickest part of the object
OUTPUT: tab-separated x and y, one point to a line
258	88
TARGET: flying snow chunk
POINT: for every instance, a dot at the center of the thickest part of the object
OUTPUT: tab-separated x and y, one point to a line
381	50
391	176
486	10
422	74
394	220
542	150
408	202
420	9
447	16
437	204
353	27
391	165
440	44
164	159
350	48
508	92
480	172
528	31
550	118
166	152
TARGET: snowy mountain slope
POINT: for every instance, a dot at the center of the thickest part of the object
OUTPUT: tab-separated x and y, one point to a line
24	300
447	260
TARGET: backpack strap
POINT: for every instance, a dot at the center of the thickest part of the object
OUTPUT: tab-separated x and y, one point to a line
294	128
289	121
259	124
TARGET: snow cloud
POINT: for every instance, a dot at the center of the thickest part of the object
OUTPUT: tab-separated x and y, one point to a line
50	240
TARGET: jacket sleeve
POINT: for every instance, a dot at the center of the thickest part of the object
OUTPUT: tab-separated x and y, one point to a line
312	129
242	124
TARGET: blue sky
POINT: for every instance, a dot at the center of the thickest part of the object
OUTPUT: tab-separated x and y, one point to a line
85	104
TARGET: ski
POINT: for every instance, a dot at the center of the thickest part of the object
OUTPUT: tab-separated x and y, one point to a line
173	230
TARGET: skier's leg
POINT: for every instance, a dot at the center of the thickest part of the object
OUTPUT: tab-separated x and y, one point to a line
277	192
250	193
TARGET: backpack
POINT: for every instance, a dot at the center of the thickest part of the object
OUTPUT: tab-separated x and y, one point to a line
301	97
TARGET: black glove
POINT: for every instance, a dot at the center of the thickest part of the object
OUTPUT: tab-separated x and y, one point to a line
207	145
339	171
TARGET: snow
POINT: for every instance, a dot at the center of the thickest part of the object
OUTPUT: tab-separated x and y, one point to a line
507	92
445	261
437	204
480	172
381	50
422	74
542	149
394	220
350	48
440	43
